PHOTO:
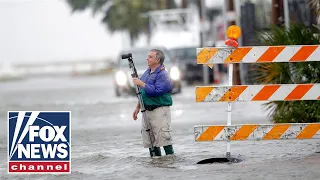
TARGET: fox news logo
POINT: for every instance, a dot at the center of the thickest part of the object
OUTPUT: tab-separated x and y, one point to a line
39	142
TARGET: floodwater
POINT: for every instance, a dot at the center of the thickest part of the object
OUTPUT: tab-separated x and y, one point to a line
106	142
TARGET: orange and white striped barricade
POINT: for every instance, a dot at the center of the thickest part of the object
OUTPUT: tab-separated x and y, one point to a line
258	132
246	93
258	54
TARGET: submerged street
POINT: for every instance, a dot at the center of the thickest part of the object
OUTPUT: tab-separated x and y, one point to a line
106	142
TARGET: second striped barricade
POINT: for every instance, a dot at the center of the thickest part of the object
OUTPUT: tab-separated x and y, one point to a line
272	92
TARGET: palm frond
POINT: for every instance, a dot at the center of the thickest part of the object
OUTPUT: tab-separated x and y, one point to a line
289	73
78	5
315	4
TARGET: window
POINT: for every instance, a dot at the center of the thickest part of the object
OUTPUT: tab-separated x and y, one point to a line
185	53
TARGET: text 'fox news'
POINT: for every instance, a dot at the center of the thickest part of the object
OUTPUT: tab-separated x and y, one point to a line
39	142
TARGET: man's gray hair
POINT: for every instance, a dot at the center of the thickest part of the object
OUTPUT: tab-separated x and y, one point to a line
159	55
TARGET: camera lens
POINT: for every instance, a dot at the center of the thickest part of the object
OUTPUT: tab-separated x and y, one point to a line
126	56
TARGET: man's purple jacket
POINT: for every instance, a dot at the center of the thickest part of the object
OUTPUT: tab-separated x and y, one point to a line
157	83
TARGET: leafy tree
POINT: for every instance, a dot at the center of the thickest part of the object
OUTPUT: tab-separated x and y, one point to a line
119	14
291	73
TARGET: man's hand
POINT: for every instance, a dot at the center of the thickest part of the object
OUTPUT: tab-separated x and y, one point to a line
138	82
135	114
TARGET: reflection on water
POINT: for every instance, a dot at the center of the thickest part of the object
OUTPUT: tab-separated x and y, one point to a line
106	142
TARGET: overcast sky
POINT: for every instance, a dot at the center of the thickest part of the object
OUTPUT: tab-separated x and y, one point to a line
45	30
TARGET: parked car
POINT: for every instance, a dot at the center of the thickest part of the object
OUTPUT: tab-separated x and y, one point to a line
187	60
122	76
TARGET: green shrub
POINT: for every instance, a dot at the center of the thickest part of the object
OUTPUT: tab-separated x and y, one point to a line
290	73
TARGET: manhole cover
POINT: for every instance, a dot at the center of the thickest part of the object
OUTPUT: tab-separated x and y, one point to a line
219	160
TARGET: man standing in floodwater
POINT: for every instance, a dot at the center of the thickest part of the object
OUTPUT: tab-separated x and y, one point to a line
156	86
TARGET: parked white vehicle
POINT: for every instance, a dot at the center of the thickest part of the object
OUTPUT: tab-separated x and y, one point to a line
172	28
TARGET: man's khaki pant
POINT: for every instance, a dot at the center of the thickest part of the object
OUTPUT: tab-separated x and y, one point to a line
160	131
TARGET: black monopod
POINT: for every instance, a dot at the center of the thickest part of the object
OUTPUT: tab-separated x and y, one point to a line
134	74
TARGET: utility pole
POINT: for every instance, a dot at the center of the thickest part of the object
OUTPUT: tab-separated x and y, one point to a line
202	8
236	67
277	11
286	13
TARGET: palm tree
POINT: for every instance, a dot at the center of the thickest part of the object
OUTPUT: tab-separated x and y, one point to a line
290	73
119	14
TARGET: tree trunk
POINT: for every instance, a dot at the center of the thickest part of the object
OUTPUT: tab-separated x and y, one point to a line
132	39
236	66
184	3
170	4
277	12
149	30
